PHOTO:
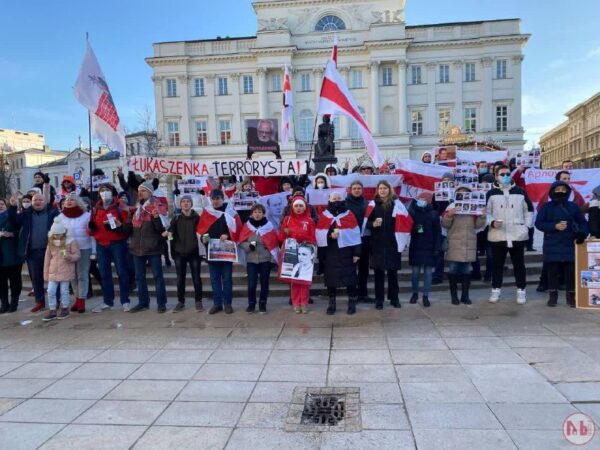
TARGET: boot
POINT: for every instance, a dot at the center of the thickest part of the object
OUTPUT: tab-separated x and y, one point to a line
465	285
453	279
3	305
395	303
81	308
331	307
379	303
75	305
38	306
552	298
14	304
413	299
426	302
351	305
571	299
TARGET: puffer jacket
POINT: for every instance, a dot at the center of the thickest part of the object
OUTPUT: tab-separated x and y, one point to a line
511	205
99	229
146	237
462	237
424	245
185	240
78	229
56	266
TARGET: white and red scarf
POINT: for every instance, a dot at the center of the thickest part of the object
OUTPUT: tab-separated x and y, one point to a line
267	235
349	232
210	215
403	223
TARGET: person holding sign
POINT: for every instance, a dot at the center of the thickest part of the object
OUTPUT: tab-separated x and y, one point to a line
562	222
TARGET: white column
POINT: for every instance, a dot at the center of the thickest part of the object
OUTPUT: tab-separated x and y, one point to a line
457	111
263	104
374	90
236	125
344	121
158	98
486	113
318	81
515	112
211	91
185	110
431	122
402	104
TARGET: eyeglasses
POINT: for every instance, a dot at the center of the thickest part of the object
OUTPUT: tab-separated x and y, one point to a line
504	174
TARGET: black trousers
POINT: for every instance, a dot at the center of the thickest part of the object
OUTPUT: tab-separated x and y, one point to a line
517	256
392	279
10	274
363	269
181	263
332	291
555	270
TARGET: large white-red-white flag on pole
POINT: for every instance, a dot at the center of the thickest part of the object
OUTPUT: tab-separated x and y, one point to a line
91	90
336	99
287	109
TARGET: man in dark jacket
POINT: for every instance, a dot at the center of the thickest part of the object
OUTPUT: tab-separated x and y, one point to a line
358	205
185	250
34	224
561	221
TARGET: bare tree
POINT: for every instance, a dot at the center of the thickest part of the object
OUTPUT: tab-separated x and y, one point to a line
149	142
6	172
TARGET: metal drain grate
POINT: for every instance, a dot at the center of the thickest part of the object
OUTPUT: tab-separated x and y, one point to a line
323	409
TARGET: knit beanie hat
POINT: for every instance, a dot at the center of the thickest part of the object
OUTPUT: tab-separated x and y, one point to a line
57	227
148	186
186	197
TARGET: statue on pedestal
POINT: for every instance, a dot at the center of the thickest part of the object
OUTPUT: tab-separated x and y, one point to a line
325	146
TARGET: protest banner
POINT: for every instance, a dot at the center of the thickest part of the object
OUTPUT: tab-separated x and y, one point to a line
474	156
218	168
538	182
369	183
418	177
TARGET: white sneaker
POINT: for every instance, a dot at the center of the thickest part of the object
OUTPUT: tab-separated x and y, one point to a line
495	295
521	296
101	308
126	307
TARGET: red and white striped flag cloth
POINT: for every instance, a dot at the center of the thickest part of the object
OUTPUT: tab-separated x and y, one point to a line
418	177
91	90
267	235
349	232
336	99
210	215
403	223
287	109
369	183
475	156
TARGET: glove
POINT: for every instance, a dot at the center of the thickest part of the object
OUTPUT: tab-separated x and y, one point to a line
580	238
176	192
46	178
92	225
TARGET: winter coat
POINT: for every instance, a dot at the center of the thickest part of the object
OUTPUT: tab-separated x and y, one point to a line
300	227
99	227
56	266
23	222
78	229
185	239
340	269
425	237
462	237
559	245
511	205
9	245
384	248
358	206
146	236
260	254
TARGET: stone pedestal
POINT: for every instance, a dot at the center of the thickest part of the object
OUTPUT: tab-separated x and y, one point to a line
323	161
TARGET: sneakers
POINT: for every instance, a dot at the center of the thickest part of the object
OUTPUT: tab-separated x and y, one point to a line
161	309
304	309
495	295
228	309
50	315
38	307
63	314
199	306
262	308
137	308
521	296
126	307
103	307
179	307
297	310
215	309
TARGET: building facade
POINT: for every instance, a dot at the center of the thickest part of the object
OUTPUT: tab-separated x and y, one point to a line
411	82
16	140
577	139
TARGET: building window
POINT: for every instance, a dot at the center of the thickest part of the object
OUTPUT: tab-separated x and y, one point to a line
501	69
357	79
225	130
470	120
171	87
276	82
18	183
173	132
470	72
223	88
56	181
502	118
305	82
330	23
199	87
305	129
444	119
416	75
201	133
387	76
417	123
354	131
248	84
444	73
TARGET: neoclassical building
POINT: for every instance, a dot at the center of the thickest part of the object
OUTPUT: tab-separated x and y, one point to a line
410	81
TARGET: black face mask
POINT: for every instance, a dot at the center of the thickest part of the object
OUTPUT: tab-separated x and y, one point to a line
560	195
337	207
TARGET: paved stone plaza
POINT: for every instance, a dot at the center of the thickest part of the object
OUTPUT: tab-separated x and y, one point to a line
481	377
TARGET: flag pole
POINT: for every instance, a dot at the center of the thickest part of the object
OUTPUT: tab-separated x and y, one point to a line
87	40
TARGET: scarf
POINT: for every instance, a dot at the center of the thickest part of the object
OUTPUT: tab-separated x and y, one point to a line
72	212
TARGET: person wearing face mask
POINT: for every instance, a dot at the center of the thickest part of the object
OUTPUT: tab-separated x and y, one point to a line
339	234
110	226
510	215
562	222
424	244
10	263
25	202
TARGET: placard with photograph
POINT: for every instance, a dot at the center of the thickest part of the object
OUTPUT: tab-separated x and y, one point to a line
192	185
262	136
244	201
587	269
530	158
297	261
471	203
590	279
444	191
222	251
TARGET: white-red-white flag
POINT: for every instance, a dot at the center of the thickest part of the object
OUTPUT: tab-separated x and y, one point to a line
287	109
91	90
336	99
403	223
418	177
346	224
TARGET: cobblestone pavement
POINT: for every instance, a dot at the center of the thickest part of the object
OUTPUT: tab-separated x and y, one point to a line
448	377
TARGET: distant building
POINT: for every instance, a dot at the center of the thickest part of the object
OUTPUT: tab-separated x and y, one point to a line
577	139
22	164
15	140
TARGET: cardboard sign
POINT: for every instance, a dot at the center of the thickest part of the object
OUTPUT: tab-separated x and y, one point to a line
587	275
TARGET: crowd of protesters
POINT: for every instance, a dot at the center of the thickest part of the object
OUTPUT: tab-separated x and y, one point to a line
68	234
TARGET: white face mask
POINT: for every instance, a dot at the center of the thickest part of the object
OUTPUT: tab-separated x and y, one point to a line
26	205
57	242
106	196
320	185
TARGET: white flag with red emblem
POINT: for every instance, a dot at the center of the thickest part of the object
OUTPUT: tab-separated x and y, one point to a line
287	109
336	99
403	223
91	90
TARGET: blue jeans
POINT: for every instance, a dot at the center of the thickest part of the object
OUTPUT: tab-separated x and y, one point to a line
460	268
113	253
427	275
262	270
221	282
58	287
35	263
159	280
